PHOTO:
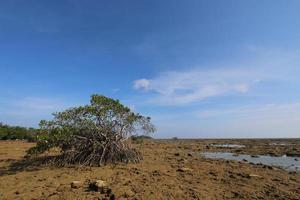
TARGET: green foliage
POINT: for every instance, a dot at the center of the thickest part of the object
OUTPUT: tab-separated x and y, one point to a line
99	129
138	139
16	132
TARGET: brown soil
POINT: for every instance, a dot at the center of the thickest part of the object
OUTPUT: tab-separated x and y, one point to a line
170	170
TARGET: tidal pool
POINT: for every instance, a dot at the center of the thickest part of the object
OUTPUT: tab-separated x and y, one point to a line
285	162
228	145
279	144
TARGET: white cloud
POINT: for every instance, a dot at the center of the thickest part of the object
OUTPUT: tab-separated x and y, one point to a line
183	87
268	80
193	85
141	84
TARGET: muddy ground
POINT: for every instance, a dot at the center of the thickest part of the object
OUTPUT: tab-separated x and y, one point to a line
171	169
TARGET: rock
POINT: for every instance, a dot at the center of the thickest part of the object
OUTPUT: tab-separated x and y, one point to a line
276	179
231	176
184	169
254	156
112	196
176	154
156	173
182	160
236	194
135	170
255	176
293	154
189	154
100	186
76	184
268	167
293	179
212	173
244	175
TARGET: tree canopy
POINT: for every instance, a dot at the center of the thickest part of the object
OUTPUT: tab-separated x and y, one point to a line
93	134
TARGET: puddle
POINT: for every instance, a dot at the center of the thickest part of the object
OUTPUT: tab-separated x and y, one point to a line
280	144
228	145
285	162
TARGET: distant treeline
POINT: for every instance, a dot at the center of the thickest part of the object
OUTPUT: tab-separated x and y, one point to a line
8	132
140	138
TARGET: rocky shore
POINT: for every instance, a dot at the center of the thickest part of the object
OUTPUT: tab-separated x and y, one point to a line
171	169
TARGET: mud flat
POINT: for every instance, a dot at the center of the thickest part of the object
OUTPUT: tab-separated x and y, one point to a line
171	169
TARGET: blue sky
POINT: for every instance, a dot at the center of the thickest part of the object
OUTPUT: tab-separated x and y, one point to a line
200	69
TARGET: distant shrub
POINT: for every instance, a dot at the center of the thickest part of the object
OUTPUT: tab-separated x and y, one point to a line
174	138
16	132
140	138
135	137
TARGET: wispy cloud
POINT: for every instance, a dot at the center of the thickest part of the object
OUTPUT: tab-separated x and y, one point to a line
141	84
193	85
183	87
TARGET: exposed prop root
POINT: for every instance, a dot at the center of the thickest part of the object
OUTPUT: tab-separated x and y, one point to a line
90	154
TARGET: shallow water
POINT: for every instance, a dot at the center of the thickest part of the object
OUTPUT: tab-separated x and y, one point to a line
280	144
285	162
228	145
